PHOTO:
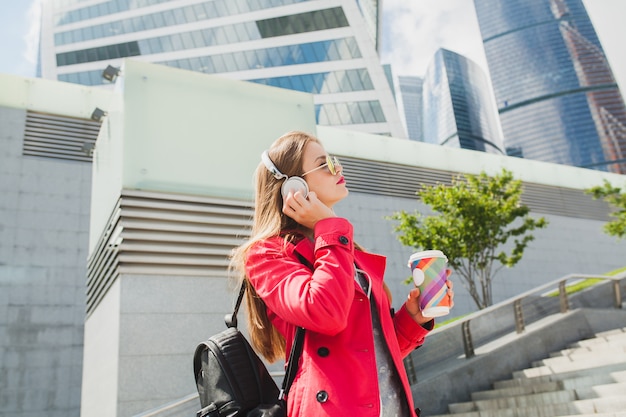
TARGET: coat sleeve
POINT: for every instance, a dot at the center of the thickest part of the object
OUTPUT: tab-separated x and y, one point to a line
410	334
318	300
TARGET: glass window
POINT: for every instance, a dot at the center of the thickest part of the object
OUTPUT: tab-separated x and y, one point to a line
355	113
159	19
333	115
187	40
298	82
251	59
366	111
166	44
168	16
209	9
179	16
331	84
190	14
207	34
220	9
184	64
231	35
308	53
220	36
241	64
241	33
148	21
177	42
198	40
218	63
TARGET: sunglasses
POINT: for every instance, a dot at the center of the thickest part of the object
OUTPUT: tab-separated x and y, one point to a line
331	163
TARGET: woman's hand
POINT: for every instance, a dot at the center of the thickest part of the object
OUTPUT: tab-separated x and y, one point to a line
413	305
306	211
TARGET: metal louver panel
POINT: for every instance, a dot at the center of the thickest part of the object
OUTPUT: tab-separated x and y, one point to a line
156	233
381	178
59	137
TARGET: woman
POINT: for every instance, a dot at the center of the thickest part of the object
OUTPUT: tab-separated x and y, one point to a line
304	269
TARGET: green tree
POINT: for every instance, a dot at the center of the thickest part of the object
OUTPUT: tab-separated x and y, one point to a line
617	199
475	216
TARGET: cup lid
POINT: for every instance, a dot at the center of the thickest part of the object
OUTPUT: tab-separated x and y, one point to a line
427	254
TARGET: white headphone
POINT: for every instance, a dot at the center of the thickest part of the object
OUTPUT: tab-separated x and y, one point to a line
293	184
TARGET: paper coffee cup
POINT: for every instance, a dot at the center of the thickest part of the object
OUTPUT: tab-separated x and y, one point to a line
429	274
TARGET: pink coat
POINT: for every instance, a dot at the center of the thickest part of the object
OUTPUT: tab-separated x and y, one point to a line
337	375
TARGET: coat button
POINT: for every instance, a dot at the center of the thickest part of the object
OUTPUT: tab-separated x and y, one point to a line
344	240
323	352
321	396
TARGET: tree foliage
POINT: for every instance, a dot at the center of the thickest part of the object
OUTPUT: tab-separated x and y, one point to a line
475	216
617	199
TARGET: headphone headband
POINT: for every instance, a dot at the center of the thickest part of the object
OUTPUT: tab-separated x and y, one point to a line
291	184
265	157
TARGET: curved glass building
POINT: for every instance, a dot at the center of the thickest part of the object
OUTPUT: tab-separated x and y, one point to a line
325	48
556	94
459	109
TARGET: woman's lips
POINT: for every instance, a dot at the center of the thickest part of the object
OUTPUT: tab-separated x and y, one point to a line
342	180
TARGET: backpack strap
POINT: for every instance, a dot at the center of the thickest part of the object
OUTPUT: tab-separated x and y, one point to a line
231	319
296	347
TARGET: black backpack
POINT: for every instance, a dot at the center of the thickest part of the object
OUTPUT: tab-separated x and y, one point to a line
232	380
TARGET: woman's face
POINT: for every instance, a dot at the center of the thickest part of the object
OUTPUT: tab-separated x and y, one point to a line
330	189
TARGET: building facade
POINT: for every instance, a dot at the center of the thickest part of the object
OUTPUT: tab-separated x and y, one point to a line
410	105
556	94
458	105
326	48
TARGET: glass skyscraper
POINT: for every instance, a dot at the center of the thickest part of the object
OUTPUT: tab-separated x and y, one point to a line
459	108
410	104
556	95
327	48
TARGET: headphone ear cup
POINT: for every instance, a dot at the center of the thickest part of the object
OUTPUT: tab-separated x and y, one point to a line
294	184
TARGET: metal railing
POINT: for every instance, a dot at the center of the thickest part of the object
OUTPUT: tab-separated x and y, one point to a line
521	314
463	336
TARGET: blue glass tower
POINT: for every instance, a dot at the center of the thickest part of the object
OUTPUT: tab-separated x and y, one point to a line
328	49
556	95
410	103
459	109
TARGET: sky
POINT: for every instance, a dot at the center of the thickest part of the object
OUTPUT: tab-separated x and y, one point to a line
413	31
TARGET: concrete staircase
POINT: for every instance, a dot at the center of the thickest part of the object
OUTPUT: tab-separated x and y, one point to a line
587	379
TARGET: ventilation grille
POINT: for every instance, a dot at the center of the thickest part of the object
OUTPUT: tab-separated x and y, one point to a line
155	233
381	178
59	137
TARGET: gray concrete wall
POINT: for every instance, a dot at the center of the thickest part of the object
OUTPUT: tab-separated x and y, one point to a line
44	213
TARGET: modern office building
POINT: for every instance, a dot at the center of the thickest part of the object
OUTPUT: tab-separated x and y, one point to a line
326	48
458	105
557	97
115	232
410	105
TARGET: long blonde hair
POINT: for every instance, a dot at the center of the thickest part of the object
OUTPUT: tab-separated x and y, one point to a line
269	221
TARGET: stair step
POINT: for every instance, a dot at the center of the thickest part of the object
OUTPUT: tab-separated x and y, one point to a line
595	407
615	414
518	390
554	366
521	401
611	337
619	376
599	347
600	391
598	375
